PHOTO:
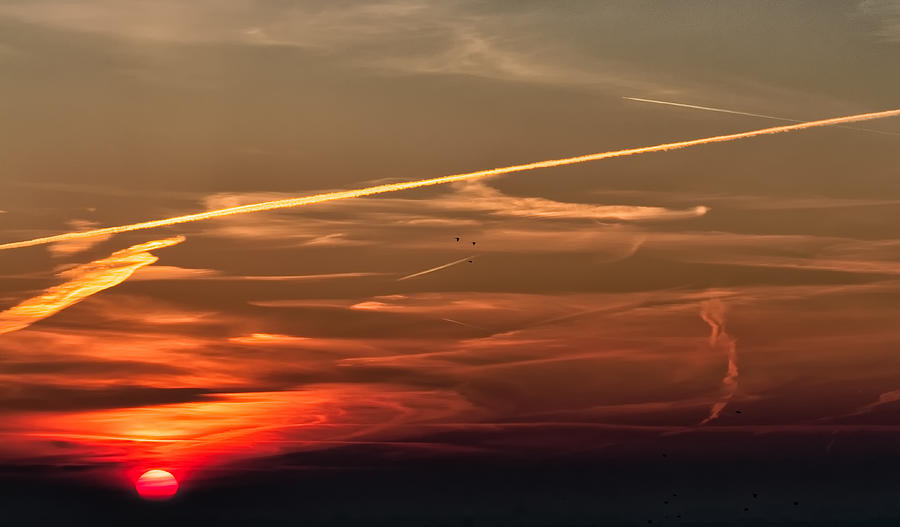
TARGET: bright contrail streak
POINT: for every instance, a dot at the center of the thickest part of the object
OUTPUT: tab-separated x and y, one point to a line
84	280
394	187
735	112
438	268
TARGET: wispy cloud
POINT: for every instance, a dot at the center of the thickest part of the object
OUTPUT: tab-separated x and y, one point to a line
476	196
449	37
268	338
800	252
713	313
732	201
168	272
83	281
886	13
70	247
510	222
165	382
883	399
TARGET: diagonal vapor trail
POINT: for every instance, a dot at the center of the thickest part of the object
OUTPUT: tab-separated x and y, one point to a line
760	115
394	187
84	280
438	268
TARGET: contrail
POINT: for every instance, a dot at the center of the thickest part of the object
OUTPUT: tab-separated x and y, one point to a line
735	112
438	268
84	280
394	187
713	313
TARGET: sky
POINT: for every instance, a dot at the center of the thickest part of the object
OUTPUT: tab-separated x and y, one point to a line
725	305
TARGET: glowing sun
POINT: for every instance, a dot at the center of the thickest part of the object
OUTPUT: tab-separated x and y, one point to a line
156	485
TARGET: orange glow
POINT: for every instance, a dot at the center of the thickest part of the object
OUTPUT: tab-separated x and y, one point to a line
267	338
156	485
191	437
394	187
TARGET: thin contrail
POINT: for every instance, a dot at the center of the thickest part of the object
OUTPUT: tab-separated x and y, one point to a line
394	187
438	268
457	322
736	112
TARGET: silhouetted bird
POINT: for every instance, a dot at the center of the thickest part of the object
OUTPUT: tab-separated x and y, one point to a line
755	495
746	509
737	411
666	502
796	503
457	238
473	243
470	261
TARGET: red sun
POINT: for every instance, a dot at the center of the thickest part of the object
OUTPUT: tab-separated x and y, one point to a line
156	485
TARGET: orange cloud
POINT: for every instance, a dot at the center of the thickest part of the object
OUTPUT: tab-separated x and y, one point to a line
68	248
267	338
83	281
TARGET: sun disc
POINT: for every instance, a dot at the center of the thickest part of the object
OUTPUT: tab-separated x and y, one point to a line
156	485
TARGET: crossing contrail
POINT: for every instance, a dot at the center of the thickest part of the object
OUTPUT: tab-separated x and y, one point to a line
394	187
736	112
438	268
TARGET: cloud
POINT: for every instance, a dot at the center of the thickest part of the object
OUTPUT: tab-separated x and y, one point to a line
713	313
267	338
168	272
800	252
70	247
474	197
54	398
83	281
225	427
883	399
393	369
405	36
746	201
502	222
477	196
886	13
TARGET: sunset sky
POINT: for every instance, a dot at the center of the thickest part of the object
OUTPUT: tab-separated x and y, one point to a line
724	305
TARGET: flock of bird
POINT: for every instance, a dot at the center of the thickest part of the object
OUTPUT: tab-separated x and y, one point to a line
473	244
